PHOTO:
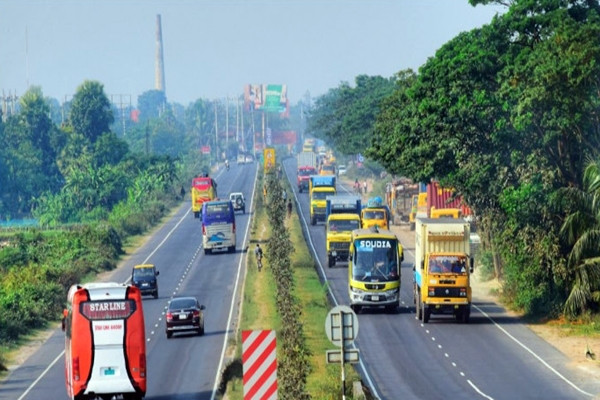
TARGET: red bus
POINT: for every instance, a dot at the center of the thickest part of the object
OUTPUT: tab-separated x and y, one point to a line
105	342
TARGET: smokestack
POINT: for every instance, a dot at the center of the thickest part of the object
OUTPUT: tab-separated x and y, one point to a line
159	69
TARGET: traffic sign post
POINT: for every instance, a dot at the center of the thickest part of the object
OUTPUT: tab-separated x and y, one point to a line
341	327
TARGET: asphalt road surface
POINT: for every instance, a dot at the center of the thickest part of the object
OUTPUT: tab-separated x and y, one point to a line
185	366
494	356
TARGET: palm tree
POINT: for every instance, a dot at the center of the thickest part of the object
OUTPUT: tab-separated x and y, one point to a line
581	230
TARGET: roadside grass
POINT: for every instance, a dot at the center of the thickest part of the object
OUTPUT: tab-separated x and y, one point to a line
259	311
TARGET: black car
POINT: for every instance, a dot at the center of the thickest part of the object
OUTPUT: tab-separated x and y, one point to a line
144	277
185	314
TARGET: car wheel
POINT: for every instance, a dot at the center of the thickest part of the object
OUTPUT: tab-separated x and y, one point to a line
244	210
201	330
169	334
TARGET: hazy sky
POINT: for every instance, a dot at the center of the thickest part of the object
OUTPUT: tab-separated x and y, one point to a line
212	48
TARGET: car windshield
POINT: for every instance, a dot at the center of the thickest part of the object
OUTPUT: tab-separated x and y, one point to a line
177	304
143	273
375	261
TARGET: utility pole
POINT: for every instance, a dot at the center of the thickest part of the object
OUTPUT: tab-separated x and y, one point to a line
226	124
216	134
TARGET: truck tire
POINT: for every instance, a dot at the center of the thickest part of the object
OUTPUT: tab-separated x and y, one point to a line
418	304
207	251
299	189
355	308
313	220
196	214
466	315
426	314
412	226
330	262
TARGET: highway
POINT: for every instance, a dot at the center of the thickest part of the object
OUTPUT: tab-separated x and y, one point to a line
185	366
494	356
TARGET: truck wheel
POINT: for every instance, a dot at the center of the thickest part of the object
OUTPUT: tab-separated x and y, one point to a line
196	214
231	249
330	262
313	220
355	308
426	314
392	308
299	189
465	315
418	304
412	226
206	251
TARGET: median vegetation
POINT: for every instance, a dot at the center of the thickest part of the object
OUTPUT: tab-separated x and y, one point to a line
287	296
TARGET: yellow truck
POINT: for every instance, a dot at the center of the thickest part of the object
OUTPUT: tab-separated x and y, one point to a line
374	269
319	187
442	269
343	216
375	214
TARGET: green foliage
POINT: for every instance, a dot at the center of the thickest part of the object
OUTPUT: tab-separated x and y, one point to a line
294	366
345	116
91	114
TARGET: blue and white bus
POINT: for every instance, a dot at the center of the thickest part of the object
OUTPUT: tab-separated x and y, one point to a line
218	226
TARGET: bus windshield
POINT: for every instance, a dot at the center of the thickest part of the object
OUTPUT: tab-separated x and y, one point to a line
375	261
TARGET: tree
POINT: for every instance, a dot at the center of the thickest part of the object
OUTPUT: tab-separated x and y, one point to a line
91	113
151	104
344	117
31	146
581	231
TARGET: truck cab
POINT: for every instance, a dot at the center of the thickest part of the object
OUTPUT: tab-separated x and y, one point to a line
375	214
303	177
319	188
339	231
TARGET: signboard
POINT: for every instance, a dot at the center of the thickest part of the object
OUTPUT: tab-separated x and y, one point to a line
259	364
269	157
266	97
341	326
350	356
205	149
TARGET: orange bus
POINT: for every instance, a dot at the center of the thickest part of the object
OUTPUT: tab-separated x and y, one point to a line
105	342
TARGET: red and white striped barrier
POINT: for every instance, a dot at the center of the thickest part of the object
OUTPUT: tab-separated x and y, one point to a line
259	364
